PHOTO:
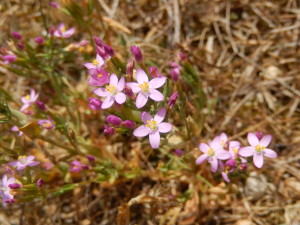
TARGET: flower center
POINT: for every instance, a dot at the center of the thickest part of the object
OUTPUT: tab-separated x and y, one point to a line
112	89
210	152
100	75
144	86
63	29
47	125
95	62
22	159
152	124
235	150
259	148
27	97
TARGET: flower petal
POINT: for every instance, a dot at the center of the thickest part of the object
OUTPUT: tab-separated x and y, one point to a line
223	155
141	100
89	65
69	32
113	80
214	164
247	151
101	92
99	60
134	87
141	76
108	102
160	115
154	139
164	127
145	117
270	153
258	160
156	95
204	147
266	140
141	131
35	163
252	139
201	159
157	82
121	84
120	98
225	177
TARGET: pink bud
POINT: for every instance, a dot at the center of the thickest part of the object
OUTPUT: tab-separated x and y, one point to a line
128	92
231	163
182	57
178	152
109	130
174	65
41	105
154	72
21	45
39	40
243	166
40	182
52	30
130	67
109	50
259	134
16	35
175	73
9	59
114	120
91	158
95	103
173	99
136	51
54	4
15	186
11	200
129	124
98	41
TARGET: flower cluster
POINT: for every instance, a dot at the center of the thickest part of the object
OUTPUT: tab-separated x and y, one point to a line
220	148
114	90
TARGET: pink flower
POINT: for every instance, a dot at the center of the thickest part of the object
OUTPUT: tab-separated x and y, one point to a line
154	72
62	32
47	124
112	92
146	88
258	149
5	189
98	77
23	162
28	100
153	127
16	129
77	166
97	63
16	35
212	152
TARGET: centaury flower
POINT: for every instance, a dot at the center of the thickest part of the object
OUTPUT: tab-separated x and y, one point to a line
23	162
97	63
5	189
146	88
258	149
212	152
62	32
98	77
153	127
47	124
112	92
29	99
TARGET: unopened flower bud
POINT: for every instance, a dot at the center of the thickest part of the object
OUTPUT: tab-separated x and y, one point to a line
154	72
109	50
95	103
129	124
15	186
135	50
231	163
40	182
41	105
39	40
182	57
91	158
173	99
54	4
16	35
114	120
130	67
109	130
178	152
21	45
98	41
243	166
174	65
175	73
259	134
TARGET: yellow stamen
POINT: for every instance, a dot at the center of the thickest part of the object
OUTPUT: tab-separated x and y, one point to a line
210	152
100	75
112	89
21	157
151	124
144	86
235	150
95	62
47	125
27	97
63	29
259	148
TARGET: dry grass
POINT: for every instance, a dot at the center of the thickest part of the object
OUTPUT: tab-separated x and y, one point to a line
248	56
